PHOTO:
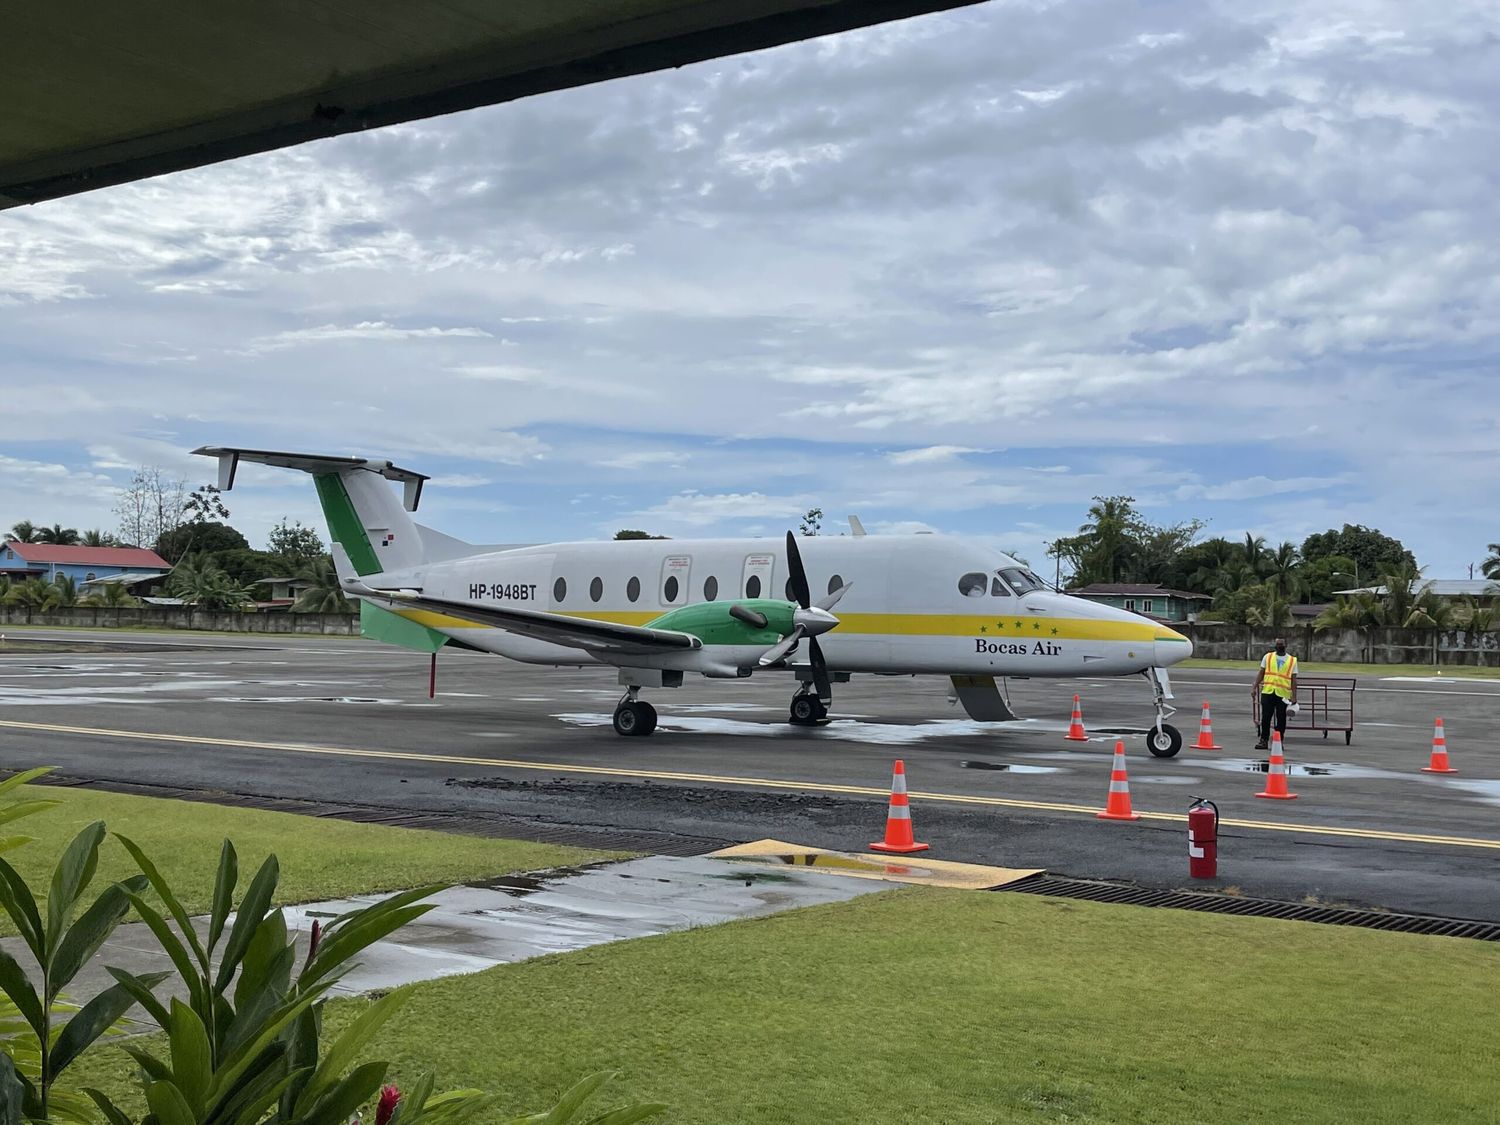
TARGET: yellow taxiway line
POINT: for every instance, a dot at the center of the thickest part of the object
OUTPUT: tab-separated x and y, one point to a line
729	779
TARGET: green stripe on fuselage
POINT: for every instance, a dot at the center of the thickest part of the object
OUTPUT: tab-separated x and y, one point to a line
344	524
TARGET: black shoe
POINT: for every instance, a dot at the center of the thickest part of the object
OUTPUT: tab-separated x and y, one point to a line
1261	745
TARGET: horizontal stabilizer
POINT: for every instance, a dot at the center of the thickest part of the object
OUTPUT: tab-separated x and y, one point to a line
316	463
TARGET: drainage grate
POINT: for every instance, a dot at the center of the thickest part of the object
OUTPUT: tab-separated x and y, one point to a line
1256	907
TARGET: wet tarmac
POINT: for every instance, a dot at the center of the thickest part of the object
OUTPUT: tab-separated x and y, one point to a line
348	724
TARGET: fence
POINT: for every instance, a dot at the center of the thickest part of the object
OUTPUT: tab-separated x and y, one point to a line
184	617
1353	646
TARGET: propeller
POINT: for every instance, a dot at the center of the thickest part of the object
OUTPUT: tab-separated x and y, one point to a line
808	621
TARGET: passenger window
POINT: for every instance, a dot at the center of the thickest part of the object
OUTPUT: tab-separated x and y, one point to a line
710	588
633	589
834	583
675	589
596	589
670	589
998	588
559	590
752	587
973	585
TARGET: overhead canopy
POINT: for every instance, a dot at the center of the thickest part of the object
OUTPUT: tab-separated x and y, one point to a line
100	94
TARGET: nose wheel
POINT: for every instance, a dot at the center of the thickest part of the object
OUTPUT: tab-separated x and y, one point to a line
1163	739
634	716
807	710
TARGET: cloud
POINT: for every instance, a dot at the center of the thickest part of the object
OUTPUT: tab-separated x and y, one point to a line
645	458
364	330
929	454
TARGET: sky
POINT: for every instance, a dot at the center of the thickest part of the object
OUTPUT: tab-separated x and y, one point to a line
958	273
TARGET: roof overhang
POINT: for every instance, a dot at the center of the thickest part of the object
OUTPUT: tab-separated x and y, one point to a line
117	92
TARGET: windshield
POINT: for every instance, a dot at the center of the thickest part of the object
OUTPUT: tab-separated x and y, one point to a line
1020	580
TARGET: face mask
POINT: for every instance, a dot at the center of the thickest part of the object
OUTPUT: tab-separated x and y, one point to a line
1281	650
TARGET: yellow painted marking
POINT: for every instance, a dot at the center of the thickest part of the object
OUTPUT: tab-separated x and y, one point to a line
965	625
916	869
756	782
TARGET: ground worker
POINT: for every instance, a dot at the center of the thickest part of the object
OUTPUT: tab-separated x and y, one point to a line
1277	686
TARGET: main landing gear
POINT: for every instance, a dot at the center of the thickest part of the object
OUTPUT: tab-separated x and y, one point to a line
1163	739
807	709
633	715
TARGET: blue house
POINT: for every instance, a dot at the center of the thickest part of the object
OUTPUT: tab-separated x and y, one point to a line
20	561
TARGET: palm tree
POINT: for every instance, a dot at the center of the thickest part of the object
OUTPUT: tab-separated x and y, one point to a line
33	594
1491	565
93	537
325	594
111	595
24	531
1255	553
1356	612
1282	567
58	535
201	582
1270	611
65	591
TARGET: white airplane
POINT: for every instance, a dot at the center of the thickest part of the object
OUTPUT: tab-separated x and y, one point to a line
658	609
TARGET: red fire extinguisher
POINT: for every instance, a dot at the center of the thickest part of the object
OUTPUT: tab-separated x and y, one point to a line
1203	839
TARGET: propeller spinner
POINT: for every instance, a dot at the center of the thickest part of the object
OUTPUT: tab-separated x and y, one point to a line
808	620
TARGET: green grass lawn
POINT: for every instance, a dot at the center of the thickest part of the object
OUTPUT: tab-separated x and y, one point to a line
1314	669
949	1006
320	858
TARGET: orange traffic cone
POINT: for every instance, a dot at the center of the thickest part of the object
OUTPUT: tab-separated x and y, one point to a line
898	837
1276	786
1206	732
1439	762
1075	728
1117	807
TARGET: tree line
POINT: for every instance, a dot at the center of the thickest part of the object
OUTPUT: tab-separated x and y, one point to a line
213	565
1252	582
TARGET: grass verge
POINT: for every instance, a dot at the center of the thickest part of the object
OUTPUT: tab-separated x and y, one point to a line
1375	670
320	858
958	1007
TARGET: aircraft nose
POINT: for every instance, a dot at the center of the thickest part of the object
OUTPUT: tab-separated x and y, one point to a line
1171	647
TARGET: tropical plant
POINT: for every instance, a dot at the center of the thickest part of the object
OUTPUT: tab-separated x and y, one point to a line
201	582
1491	565
1475	616
33	594
94	537
111	595
65	591
1358	611
1255	553
24	531
60	945
58	535
325	594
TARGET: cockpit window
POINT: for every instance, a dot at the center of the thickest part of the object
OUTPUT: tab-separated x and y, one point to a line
972	585
998	588
1021	581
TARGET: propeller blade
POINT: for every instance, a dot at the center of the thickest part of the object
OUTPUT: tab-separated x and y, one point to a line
781	648
795	573
819	671
748	616
833	599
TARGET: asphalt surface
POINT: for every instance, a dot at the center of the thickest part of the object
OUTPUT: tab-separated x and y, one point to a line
348	723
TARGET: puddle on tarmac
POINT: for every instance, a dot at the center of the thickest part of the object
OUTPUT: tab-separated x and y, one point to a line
843	729
1010	767
305	699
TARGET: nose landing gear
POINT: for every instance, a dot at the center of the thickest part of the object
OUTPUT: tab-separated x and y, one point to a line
1163	740
807	709
633	715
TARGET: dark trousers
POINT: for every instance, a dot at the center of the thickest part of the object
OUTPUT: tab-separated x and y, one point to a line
1272	706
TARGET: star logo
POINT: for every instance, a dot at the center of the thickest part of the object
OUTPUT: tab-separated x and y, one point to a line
984	628
1037	625
1054	630
1020	624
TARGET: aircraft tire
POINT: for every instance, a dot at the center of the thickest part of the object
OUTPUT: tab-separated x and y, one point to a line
1166	744
806	710
649	714
631	719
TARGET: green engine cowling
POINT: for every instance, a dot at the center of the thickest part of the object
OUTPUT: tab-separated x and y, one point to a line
712	623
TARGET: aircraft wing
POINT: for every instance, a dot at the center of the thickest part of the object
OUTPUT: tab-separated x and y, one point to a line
575	632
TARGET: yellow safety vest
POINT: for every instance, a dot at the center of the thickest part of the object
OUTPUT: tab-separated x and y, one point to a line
1279	671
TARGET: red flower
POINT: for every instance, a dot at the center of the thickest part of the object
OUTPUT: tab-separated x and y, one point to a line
385	1109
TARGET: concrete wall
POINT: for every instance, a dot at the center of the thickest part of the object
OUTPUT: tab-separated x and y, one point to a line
183	617
1356	646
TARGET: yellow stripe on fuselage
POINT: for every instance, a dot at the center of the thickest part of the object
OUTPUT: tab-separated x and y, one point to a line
895	624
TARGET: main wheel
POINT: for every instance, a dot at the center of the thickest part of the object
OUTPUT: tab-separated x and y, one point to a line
648	716
1164	743
630	719
806	710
